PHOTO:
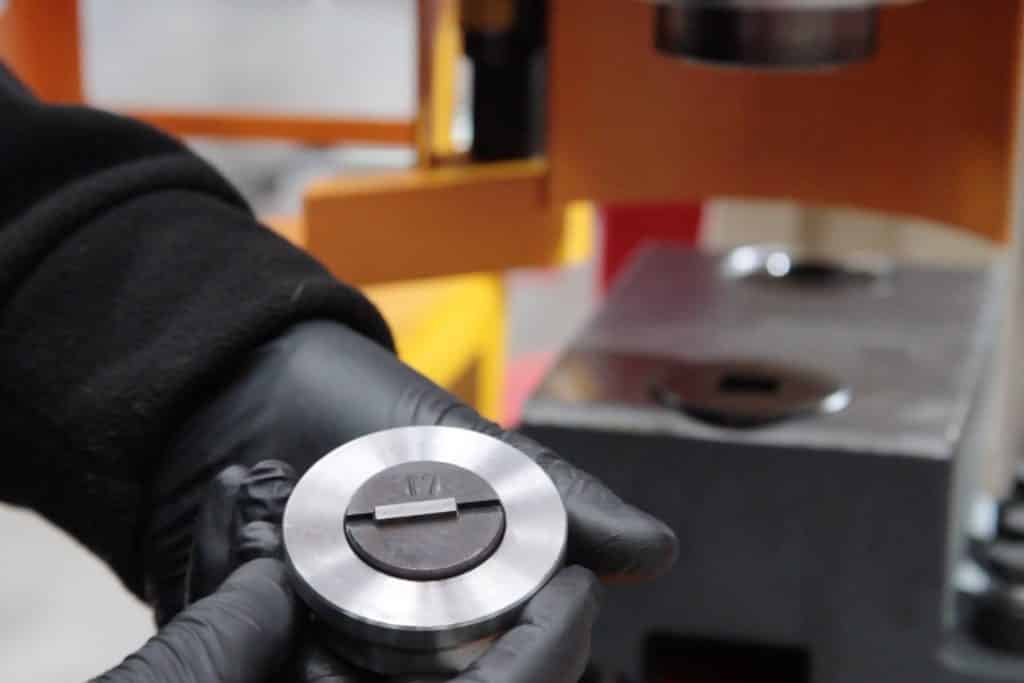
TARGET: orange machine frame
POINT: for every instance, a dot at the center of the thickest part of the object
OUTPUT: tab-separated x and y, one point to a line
927	129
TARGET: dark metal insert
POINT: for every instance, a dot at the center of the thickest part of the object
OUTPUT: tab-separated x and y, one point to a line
425	520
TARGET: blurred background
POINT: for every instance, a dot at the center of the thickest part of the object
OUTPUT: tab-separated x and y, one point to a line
62	614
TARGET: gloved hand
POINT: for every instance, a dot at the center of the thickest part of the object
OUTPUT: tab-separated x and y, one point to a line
248	625
320	385
239	519
240	634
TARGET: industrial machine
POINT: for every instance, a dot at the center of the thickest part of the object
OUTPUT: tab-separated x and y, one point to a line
812	430
811	425
808	426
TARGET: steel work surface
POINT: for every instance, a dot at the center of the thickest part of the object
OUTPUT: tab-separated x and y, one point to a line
834	534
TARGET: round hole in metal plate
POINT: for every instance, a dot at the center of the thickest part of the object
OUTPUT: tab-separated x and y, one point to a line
795	267
748	393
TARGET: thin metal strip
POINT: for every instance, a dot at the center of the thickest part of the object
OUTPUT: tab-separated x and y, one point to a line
415	509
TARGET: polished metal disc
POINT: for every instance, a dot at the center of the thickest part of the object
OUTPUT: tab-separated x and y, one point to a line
365	592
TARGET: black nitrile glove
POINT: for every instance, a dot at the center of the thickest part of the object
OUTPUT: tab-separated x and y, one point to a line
240	518
321	385
11	89
247	622
239	634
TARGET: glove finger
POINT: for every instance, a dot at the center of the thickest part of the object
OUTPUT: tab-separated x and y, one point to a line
606	534
239	521
11	87
237	635
259	539
551	642
610	536
212	557
264	492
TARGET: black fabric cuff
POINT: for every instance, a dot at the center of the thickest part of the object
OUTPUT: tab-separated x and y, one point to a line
134	294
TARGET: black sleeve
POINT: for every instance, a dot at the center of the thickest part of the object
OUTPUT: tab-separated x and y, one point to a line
133	280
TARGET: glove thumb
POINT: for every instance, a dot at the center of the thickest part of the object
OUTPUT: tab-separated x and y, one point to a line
239	634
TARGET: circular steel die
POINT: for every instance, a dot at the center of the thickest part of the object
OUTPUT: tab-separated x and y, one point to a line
363	603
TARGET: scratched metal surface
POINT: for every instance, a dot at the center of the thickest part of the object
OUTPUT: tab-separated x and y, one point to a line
909	346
